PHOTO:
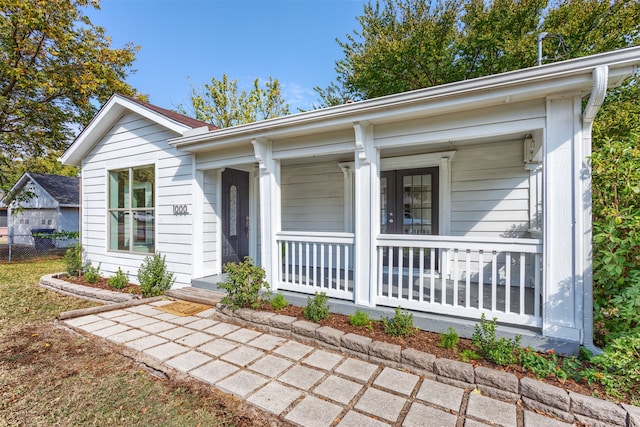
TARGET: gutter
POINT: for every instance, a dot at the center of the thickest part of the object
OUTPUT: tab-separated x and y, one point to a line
598	93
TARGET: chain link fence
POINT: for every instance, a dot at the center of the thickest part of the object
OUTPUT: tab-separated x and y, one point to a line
38	244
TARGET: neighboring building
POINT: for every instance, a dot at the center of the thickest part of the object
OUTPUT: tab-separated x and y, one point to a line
54	206
452	201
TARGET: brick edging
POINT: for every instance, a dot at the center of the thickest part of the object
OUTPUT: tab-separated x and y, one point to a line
532	394
51	282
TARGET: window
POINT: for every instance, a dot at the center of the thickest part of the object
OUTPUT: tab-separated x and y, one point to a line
131	210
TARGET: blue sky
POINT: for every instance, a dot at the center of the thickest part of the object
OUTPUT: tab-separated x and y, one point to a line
187	42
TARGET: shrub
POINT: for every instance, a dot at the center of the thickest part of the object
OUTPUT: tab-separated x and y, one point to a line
153	276
91	273
618	368
450	339
400	325
278	302
73	260
243	283
119	280
503	351
361	319
467	355
317	308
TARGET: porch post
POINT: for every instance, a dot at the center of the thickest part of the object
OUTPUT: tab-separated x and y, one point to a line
270	222
197	224
366	214
562	308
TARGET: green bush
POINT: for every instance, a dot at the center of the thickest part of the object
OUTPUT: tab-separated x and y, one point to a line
400	325
243	284
91	273
467	355
73	260
616	237
317	307
279	302
503	351
361	320
153	276
450	339
618	368
120	280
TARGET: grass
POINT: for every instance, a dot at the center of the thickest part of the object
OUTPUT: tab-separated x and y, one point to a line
50	376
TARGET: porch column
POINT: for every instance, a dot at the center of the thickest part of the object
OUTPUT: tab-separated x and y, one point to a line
366	215
269	183
197	220
563	284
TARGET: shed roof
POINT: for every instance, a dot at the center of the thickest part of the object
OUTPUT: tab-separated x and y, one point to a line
65	189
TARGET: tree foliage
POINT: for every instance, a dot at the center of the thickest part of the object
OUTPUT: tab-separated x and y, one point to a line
404	45
222	104
55	67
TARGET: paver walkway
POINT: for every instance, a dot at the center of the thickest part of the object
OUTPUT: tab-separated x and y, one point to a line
305	385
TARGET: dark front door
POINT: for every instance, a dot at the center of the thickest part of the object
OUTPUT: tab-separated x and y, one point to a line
235	215
409	205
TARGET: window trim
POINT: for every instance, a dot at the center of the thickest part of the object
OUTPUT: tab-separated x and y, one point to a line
131	210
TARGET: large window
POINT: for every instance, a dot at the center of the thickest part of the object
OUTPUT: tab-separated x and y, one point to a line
131	210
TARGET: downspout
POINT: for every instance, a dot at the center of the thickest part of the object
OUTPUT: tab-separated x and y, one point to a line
598	92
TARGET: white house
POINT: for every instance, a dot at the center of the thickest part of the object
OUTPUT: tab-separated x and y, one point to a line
452	201
53	204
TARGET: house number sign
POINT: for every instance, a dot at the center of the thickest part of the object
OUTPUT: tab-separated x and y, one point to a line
180	210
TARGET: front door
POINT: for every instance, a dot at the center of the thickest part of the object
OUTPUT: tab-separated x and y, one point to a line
235	215
409	204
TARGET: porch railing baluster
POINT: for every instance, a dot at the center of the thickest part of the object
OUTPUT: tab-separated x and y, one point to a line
522	281
421	267
456	269
480	279
410	278
507	284
494	280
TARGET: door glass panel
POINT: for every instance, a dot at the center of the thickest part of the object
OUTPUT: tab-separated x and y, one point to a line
416	204
384	203
233	211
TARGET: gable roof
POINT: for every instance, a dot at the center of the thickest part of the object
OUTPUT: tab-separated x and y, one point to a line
65	190
113	110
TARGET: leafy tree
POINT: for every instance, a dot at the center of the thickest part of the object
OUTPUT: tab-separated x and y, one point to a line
404	45
55	68
220	102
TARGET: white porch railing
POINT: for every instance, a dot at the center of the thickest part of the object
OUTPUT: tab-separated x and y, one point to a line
313	262
462	276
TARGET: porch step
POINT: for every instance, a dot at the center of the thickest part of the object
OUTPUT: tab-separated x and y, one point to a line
197	295
209	282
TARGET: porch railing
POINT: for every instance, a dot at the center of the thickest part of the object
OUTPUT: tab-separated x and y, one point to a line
462	276
316	262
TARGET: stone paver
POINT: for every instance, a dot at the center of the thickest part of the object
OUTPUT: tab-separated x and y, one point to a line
421	415
444	395
315	387
271	366
301	377
338	389
241	384
495	412
398	381
356	419
165	351
213	372
381	404
242	356
274	397
218	347
323	360
314	412
293	350
129	335
188	361
357	369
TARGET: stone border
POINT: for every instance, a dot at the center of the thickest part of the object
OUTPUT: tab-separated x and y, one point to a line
51	282
534	395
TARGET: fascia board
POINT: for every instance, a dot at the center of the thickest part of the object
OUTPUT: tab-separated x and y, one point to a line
108	115
562	77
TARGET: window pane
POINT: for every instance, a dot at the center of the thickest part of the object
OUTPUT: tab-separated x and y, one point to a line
143	227
119	231
233	211
119	189
143	181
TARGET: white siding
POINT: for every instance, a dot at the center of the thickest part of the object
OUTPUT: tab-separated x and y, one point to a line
211	223
490	191
312	197
136	141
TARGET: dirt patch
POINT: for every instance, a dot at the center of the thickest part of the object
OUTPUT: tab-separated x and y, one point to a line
102	283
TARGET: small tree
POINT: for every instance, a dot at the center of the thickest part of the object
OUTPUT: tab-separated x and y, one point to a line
154	277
